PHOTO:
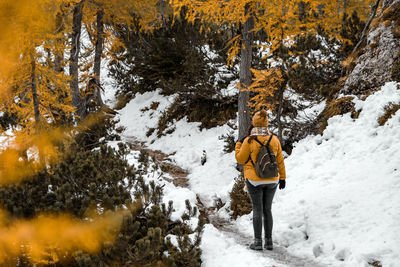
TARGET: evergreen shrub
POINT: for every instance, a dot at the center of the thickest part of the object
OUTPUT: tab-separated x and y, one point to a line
97	177
176	60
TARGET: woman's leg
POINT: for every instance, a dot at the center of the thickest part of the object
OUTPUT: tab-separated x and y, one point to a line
267	197
256	195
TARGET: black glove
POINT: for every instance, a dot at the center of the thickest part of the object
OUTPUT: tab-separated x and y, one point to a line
241	140
282	184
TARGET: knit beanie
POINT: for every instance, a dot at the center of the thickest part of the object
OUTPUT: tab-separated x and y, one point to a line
260	119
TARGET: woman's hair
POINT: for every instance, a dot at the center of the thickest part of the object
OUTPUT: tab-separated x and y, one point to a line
249	133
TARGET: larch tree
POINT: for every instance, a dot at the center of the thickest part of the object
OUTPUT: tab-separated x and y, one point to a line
34	87
280	20
98	18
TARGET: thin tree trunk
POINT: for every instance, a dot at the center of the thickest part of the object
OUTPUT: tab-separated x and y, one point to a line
280	109
59	54
98	53
163	6
35	98
245	76
73	64
374	8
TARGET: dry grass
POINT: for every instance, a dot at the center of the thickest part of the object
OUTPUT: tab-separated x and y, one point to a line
392	13
396	70
390	110
240	200
375	23
122	100
336	107
396	31
387	23
375	263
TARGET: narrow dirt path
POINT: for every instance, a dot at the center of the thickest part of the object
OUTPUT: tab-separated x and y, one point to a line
179	175
279	253
179	179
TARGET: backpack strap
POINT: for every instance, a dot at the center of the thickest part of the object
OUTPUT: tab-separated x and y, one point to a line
269	153
269	141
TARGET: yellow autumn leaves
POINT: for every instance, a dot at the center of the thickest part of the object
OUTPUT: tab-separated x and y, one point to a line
49	238
28	35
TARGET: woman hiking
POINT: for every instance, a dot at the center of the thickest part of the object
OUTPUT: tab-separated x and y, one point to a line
261	190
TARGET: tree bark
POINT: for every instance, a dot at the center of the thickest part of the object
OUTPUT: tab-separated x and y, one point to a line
374	9
58	67
98	53
280	109
35	98
245	76
73	64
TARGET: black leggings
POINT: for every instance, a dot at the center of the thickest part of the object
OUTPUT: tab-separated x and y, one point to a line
261	198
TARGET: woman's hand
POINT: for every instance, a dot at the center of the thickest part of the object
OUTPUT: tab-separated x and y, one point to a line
282	184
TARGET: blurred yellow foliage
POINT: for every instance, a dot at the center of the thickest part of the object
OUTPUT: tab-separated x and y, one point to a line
30	38
48	238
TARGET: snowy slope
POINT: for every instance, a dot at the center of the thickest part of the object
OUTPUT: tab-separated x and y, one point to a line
212	180
342	201
341	205
343	188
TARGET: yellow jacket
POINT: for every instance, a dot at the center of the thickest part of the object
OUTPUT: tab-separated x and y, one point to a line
246	149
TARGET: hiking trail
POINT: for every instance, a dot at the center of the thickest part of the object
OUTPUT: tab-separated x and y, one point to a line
226	227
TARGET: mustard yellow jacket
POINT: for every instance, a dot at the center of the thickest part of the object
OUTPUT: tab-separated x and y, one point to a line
246	149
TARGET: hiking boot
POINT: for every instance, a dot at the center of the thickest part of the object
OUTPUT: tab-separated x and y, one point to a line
268	243
257	244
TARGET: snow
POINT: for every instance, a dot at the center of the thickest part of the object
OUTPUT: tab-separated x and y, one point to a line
212	180
341	205
108	85
219	250
6	138
342	190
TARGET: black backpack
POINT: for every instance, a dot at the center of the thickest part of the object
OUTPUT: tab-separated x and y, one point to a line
265	166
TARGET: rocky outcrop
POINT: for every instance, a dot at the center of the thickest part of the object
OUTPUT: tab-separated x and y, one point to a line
374	67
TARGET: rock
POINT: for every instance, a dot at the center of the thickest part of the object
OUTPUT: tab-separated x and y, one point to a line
374	68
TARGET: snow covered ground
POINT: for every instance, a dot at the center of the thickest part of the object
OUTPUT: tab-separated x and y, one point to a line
341	205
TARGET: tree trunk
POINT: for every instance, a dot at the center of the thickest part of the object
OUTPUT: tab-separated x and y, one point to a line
98	53
73	64
58	67
245	76
35	98
279	112
374	9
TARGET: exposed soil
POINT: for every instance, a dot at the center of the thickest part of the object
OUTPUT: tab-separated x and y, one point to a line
179	175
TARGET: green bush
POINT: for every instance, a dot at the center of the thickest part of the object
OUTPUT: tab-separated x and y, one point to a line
100	177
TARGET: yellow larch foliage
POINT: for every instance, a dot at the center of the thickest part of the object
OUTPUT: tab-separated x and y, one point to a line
280	19
24	154
48	238
28	31
265	84
26	24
